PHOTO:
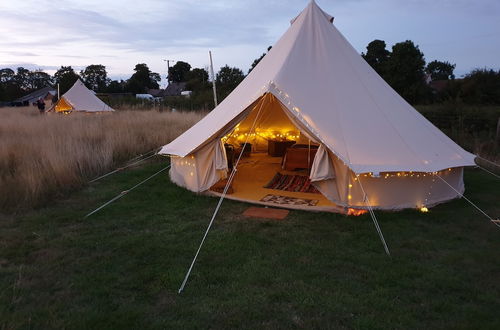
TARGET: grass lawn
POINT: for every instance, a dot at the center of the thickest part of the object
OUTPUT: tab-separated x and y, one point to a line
122	267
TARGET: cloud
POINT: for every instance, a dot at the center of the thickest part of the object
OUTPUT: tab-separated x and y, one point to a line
30	66
17	53
122	33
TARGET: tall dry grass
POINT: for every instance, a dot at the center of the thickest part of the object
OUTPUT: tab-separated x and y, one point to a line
45	156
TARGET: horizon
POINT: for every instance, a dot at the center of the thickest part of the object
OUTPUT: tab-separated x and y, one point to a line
189	29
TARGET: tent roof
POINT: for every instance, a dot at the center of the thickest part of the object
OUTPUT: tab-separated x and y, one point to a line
36	94
322	81
83	99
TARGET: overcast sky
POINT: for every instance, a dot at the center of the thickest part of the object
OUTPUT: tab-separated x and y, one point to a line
121	33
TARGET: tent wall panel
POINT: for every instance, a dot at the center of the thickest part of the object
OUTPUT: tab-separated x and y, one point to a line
410	190
201	170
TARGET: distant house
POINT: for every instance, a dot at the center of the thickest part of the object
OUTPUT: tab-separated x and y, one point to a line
173	89
46	93
156	92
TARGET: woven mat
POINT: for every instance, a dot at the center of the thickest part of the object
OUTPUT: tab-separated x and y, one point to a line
296	183
285	200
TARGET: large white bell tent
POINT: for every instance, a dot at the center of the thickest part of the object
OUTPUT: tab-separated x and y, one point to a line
359	143
80	98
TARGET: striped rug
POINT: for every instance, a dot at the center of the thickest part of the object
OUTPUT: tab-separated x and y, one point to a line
297	183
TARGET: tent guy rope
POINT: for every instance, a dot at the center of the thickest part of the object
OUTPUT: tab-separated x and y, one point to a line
226	187
127	166
495	222
374	218
123	193
495	175
488	161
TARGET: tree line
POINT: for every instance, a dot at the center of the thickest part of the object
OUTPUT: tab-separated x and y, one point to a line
14	84
403	67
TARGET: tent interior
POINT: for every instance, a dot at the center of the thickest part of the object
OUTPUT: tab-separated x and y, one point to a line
278	154
63	106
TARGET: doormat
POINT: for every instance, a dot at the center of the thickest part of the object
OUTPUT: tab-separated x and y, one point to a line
296	183
285	200
219	187
266	213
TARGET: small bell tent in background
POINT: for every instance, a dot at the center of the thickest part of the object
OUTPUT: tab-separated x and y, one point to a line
80	99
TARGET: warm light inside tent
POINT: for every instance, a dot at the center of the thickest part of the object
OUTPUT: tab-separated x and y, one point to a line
423	209
274	135
410	174
63	106
356	212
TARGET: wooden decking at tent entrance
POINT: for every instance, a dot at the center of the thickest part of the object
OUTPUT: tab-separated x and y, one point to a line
255	171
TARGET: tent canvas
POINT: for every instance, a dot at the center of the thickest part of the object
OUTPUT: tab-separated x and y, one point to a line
80	98
315	86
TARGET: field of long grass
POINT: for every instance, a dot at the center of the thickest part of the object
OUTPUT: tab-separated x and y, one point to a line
45	156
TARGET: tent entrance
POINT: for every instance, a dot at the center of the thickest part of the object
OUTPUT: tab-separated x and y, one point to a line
274	145
63	106
257	170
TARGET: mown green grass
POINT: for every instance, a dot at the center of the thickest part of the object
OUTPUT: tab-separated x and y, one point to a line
122	267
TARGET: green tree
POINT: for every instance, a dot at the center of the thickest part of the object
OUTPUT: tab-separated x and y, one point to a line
197	80
481	86
66	78
404	71
6	75
227	79
38	79
440	70
142	80
179	72
95	77
257	60
116	86
156	78
377	56
197	74
22	78
9	87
